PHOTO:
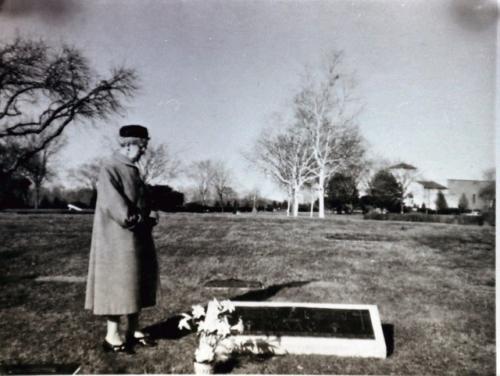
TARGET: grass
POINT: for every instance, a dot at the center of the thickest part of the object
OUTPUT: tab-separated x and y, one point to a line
434	285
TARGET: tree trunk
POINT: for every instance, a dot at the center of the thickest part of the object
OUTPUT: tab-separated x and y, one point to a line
321	194
221	203
312	207
37	196
295	209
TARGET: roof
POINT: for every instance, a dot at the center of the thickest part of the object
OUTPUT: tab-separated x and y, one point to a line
429	184
404	166
472	180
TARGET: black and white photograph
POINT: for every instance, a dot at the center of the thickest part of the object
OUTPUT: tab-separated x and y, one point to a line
248	187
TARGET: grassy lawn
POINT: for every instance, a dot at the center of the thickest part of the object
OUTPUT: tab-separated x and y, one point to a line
434	285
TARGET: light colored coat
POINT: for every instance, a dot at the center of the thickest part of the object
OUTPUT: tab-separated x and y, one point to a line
123	268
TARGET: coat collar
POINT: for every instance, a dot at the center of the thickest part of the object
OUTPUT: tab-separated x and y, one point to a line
123	159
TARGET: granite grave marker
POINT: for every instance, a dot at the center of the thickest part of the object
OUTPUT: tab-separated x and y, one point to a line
310	328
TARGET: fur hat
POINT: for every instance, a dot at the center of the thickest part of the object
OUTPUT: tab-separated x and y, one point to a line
136	131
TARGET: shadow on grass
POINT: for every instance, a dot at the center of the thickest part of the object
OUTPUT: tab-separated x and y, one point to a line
264	294
227	366
17	278
39	369
388	330
16	295
167	329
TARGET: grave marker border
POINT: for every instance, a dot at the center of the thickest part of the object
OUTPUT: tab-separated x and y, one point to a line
367	348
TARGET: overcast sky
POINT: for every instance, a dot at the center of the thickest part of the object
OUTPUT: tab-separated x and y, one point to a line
213	72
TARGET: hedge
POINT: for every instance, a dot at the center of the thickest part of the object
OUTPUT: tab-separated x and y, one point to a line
436	218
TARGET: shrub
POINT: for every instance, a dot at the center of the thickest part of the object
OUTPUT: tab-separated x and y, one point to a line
375	216
342	193
366	203
489	217
441	203
463	203
450	211
385	191
165	198
470	219
421	217
195	207
424	210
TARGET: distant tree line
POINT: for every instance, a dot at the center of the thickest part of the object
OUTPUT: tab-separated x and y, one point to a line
313	151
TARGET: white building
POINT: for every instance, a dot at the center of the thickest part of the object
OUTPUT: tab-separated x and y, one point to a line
424	192
470	189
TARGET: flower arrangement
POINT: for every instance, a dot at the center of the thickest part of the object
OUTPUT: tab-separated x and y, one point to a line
212	327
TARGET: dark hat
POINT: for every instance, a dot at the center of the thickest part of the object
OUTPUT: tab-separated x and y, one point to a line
134	131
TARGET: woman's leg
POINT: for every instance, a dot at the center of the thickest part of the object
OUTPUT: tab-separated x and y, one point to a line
113	330
133	326
136	336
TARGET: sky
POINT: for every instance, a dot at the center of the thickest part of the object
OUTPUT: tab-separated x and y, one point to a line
213	73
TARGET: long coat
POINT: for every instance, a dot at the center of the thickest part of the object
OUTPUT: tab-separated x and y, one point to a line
123	268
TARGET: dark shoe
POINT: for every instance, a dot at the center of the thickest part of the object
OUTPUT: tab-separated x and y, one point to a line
145	342
108	347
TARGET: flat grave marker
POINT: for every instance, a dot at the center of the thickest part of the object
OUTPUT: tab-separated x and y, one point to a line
310	328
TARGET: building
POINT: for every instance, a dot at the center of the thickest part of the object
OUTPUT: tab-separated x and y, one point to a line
424	192
471	189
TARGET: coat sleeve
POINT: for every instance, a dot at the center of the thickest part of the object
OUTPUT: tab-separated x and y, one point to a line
113	200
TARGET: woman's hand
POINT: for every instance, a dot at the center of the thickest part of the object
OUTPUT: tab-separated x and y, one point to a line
153	218
133	221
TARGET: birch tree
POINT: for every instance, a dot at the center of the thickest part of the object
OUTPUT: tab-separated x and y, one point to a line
286	157
326	108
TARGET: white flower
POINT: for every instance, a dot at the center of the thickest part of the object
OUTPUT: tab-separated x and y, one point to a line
184	322
223	328
204	353
239	327
227	306
198	311
212	311
212	326
204	327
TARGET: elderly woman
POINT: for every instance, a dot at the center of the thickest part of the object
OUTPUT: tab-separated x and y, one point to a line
123	269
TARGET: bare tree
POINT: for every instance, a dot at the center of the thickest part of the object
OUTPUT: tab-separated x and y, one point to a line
88	175
405	175
202	173
158	164
39	168
286	157
221	182
43	90
326	108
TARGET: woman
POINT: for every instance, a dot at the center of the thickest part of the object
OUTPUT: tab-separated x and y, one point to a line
123	269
